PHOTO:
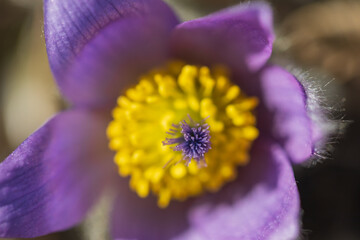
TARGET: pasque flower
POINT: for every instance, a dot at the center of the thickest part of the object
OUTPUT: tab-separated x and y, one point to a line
202	130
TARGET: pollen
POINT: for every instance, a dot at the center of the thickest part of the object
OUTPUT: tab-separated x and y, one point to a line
182	131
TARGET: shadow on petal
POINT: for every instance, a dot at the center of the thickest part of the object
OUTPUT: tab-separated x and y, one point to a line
137	218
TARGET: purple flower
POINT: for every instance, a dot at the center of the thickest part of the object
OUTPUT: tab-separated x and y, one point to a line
98	49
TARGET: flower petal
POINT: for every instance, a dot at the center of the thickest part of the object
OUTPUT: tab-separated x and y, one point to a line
240	37
283	114
52	179
97	47
262	203
137	218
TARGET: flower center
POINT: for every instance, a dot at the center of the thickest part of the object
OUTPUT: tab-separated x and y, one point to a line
194	141
161	132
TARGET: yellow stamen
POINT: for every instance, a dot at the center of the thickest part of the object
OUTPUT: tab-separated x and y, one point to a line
165	97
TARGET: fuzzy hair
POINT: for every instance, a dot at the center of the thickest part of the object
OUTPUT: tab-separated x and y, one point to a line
324	103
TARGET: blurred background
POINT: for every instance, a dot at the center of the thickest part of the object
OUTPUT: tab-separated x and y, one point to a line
320	36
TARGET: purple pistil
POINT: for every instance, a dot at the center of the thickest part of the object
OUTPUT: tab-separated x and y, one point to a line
194	141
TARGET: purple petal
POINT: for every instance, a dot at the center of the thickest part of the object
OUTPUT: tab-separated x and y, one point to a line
137	218
96	48
240	37
52	179
283	114
262	203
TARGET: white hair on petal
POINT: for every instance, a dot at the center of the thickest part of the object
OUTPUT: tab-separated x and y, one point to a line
324	104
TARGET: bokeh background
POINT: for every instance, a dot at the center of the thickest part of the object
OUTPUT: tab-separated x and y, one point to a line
322	37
